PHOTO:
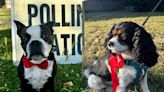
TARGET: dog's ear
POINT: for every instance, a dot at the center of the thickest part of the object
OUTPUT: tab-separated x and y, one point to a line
110	33
109	36
20	27
144	48
50	25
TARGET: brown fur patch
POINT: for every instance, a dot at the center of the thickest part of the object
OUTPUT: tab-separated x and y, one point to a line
114	32
117	32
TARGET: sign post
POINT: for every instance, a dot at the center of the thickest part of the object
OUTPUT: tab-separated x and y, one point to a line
68	25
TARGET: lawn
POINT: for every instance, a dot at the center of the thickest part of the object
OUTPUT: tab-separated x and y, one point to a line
97	26
9	81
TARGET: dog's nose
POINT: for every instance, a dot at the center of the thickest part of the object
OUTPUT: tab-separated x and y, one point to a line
35	43
111	43
35	47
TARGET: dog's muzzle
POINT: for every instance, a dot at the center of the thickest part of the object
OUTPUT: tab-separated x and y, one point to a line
36	50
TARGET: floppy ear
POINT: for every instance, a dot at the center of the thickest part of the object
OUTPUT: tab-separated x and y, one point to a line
20	27
144	48
109	36
50	25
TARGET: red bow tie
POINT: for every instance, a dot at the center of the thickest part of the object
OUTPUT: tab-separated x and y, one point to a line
27	63
115	63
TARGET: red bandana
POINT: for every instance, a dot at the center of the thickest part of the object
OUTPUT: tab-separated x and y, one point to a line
27	63
115	62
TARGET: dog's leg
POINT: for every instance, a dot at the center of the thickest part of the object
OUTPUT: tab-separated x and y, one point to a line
122	85
49	87
125	76
24	87
52	86
144	85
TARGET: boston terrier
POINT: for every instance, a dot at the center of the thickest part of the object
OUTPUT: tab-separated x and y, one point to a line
38	67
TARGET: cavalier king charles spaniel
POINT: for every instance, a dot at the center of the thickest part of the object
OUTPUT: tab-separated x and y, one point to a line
134	45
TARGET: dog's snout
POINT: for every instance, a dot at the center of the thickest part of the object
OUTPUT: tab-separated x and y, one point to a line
35	43
36	47
111	43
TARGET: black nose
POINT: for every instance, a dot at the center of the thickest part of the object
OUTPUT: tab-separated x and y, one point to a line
35	44
36	47
111	43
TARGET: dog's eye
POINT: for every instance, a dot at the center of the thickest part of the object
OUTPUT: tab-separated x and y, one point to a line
122	37
47	38
26	37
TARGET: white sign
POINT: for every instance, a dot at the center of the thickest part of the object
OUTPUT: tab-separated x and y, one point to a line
67	15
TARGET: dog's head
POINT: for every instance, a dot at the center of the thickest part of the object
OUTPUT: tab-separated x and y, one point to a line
36	41
131	39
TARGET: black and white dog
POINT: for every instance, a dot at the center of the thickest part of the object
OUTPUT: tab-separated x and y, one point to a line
37	68
136	47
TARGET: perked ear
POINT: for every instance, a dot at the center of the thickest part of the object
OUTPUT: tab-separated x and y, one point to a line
50	25
144	48
20	27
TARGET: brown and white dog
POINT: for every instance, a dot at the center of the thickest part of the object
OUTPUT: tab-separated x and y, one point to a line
136	47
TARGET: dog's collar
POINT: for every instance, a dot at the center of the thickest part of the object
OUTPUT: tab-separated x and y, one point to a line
125	60
27	63
116	59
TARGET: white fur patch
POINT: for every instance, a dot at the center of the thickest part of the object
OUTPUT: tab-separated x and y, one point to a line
95	62
38	77
125	76
127	73
117	47
87	72
108	66
95	82
144	85
35	33
128	55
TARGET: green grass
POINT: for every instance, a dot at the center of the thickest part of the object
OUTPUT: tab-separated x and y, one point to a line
97	26
5	15
69	73
9	81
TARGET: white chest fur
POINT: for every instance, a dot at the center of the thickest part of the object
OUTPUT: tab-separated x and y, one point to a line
38	77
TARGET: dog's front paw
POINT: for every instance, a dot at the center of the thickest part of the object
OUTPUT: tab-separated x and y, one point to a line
95	82
121	89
